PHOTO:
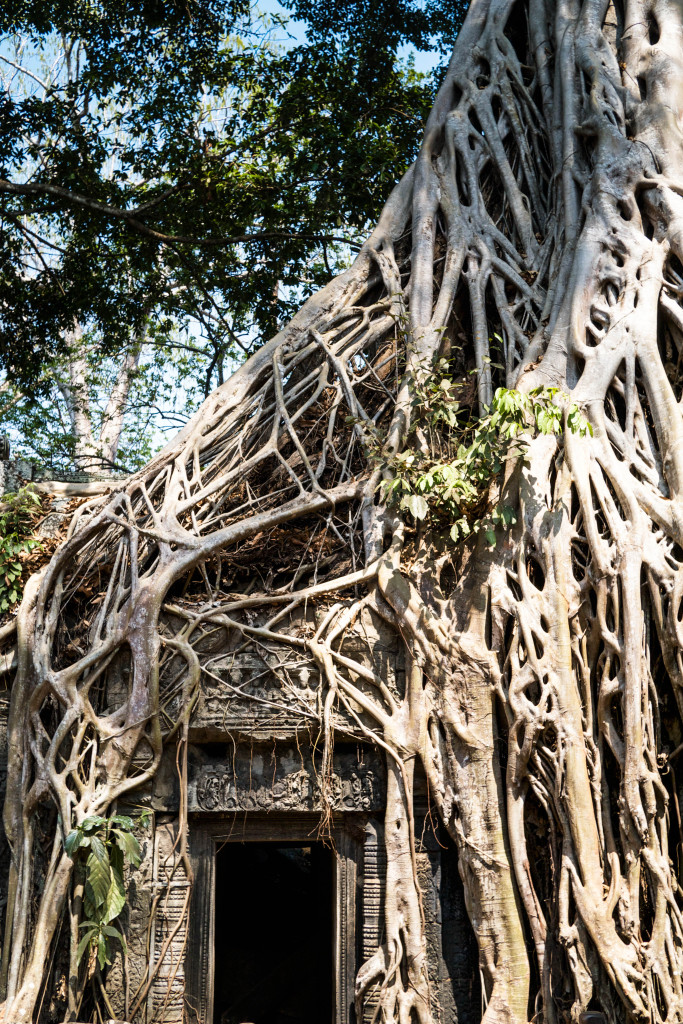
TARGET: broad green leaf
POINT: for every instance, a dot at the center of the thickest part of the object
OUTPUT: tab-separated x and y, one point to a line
122	821
98	875
508	515
73	841
416	505
114	933
93	821
83	945
129	846
116	898
99	849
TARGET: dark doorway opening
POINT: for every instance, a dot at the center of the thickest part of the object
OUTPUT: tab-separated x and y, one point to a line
273	934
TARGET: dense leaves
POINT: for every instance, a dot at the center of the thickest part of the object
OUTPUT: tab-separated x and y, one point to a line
17	540
445	474
176	166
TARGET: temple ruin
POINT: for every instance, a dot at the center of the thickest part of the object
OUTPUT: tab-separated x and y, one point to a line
287	895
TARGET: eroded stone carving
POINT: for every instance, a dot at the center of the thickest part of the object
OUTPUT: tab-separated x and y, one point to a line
283	783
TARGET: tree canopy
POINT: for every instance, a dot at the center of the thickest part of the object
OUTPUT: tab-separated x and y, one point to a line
171	165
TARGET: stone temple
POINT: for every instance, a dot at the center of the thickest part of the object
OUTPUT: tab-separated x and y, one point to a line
285	906
286	897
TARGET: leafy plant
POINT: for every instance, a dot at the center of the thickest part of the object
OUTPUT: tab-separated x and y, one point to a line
103	846
17	512
444	474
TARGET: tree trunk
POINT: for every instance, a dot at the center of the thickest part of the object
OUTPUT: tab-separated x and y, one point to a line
96	448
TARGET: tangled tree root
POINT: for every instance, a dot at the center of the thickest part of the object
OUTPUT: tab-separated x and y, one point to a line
537	241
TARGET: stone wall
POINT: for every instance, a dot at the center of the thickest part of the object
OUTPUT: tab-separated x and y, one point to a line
254	776
16	473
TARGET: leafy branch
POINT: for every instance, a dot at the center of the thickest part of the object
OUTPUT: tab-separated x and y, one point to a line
103	846
17	521
444	473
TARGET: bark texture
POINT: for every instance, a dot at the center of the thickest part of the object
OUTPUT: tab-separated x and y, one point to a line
537	240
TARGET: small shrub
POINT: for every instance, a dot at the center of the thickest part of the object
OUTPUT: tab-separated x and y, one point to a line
103	846
451	458
17	522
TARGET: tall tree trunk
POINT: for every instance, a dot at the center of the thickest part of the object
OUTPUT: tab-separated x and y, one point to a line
96	448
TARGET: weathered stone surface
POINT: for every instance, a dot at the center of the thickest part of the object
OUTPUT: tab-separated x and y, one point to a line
269	693
14	473
282	779
241	693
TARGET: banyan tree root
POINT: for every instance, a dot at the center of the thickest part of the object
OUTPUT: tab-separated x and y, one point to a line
537	241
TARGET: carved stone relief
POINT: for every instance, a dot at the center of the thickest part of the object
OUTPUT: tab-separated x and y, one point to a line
241	692
270	690
267	780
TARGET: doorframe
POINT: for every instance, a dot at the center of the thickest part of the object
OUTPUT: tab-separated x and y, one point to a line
208	833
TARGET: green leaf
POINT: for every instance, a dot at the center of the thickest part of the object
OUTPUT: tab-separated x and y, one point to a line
94	821
491	537
116	934
129	846
116	859
99	849
122	821
98	873
416	505
83	945
89	908
73	841
508	515
116	898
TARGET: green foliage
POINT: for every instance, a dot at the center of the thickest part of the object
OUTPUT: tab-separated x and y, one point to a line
444	473
383	24
103	846
178	164
181	177
17	513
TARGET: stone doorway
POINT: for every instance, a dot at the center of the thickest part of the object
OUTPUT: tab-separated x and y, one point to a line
248	871
274	933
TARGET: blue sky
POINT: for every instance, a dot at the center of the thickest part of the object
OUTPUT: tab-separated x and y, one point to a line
425	60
